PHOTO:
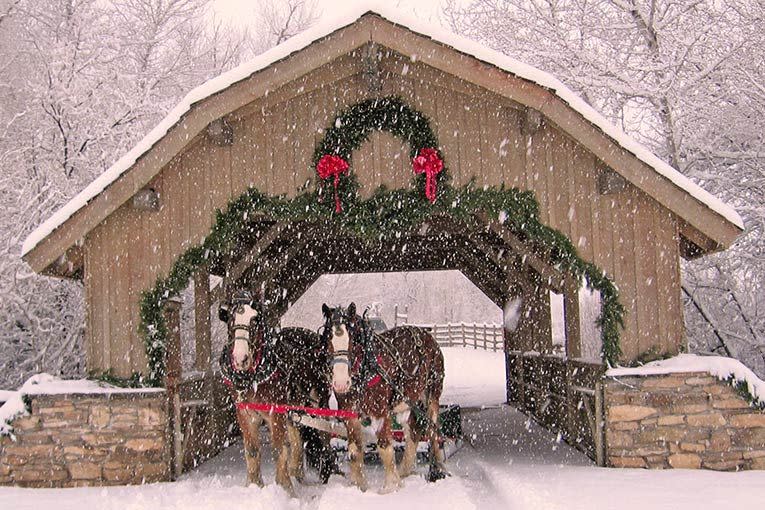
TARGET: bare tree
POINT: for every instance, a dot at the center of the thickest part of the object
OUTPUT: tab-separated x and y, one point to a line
80	82
685	77
278	20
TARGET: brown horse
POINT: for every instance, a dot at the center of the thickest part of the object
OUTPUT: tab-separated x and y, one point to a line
265	366
401	372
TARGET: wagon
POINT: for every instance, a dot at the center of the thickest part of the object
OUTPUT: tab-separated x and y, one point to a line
449	425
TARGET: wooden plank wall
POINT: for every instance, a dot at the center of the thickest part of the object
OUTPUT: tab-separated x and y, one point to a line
627	234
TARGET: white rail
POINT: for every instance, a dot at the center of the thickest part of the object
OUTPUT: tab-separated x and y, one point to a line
489	337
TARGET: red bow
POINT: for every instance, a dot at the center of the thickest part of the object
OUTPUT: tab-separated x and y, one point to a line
429	162
330	165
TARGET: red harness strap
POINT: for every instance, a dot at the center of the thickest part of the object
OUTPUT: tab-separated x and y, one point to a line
284	408
373	381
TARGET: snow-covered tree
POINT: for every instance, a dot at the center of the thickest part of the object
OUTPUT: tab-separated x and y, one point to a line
685	77
81	81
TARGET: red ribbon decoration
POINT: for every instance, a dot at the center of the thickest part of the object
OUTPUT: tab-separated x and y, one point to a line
330	165
284	408
430	163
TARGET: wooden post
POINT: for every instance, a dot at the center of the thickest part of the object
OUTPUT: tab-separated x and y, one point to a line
600	440
534	330
173	380
202	320
571	320
203	299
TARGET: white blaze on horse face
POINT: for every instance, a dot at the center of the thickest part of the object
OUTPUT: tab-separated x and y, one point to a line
341	374
241	352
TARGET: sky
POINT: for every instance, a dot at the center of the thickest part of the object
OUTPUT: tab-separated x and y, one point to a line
237	10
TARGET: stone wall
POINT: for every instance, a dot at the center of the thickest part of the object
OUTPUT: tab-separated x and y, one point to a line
72	440
686	420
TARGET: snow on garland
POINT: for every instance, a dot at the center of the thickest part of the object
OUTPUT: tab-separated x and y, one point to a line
351	128
385	214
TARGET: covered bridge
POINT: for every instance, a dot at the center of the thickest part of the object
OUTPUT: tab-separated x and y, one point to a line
496	122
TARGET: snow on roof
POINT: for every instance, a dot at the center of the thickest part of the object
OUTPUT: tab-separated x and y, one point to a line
46	384
718	366
340	20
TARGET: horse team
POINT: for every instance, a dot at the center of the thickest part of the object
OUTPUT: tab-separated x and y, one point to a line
277	375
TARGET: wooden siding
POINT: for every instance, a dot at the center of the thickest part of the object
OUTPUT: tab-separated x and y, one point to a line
629	235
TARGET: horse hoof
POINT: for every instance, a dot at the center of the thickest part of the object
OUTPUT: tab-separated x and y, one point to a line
437	474
390	487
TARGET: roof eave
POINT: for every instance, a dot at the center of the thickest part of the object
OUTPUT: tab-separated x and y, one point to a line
719	231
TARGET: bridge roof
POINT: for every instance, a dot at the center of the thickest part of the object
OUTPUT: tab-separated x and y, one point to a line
713	224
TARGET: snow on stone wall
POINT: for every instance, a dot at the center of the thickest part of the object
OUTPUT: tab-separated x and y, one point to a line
88	438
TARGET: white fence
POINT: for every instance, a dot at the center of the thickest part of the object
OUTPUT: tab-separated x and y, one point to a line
489	337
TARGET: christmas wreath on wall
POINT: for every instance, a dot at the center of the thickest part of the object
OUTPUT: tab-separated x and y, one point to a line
351	128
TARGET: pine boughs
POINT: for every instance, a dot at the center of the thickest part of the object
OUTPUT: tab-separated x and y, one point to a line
386	214
352	126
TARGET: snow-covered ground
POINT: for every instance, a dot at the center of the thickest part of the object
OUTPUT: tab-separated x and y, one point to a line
512	464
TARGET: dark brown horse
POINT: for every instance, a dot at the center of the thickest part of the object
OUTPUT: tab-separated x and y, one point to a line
401	372
266	366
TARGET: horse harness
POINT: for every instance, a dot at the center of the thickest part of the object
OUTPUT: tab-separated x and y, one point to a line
368	371
265	364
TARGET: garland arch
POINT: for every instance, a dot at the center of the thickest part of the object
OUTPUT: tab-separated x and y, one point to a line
385	213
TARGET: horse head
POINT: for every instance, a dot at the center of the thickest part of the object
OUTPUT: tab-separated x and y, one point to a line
244	316
343	339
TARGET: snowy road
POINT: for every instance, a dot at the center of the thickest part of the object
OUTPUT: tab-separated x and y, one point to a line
513	464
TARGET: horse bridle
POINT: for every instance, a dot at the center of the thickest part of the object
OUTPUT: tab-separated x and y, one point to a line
345	356
241	379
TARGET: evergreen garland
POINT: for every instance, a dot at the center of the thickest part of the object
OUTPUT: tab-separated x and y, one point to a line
383	216
352	126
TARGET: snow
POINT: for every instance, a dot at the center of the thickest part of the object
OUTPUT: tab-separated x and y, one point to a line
46	384
511	463
343	18
718	366
474	378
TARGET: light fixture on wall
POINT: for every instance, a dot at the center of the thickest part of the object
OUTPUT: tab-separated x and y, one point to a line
146	199
609	182
370	62
220	132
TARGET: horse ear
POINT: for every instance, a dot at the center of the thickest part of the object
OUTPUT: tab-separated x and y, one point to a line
352	309
223	313
326	311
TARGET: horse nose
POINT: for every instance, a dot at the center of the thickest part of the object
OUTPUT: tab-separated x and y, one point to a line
242	361
340	387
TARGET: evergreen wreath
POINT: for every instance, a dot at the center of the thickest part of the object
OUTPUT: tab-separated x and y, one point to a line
351	128
385	215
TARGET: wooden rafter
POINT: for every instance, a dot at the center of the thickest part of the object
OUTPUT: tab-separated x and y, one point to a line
271	269
552	277
238	269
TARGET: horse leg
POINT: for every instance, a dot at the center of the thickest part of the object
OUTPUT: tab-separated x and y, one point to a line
406	468
278	426
437	469
388	455
296	452
356	453
249	423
